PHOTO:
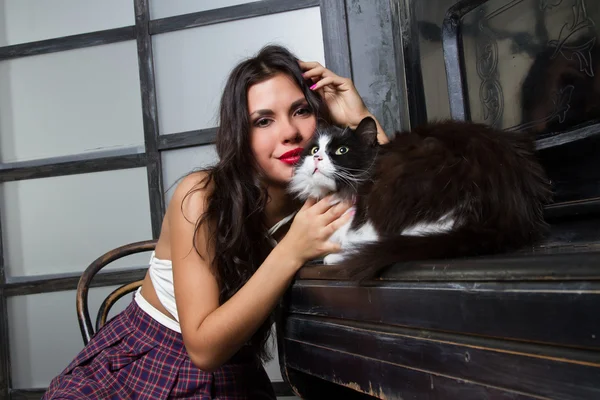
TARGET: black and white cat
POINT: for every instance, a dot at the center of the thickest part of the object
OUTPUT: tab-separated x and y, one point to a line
444	190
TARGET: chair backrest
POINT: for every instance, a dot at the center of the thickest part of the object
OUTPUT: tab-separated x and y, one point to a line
83	315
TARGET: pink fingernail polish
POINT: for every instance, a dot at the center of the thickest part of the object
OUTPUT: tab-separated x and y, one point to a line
313	87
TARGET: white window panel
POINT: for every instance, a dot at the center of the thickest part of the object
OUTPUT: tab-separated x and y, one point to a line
44	333
32	20
191	65
178	163
62	224
70	102
169	8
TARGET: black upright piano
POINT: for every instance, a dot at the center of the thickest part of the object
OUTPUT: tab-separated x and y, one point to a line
524	325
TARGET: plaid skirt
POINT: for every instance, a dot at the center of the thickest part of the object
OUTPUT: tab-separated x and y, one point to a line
135	357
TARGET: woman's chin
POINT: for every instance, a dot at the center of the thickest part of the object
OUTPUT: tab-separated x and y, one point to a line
279	180
284	176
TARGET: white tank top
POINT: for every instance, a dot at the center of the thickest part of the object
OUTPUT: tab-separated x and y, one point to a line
161	275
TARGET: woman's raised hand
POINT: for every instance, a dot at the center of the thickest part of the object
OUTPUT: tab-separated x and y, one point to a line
345	104
308	236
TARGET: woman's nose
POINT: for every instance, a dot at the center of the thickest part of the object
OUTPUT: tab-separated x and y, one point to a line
290	133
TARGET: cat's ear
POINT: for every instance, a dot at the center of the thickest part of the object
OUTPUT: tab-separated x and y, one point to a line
367	131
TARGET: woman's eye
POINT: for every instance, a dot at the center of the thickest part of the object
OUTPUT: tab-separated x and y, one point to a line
303	111
314	150
341	150
262	123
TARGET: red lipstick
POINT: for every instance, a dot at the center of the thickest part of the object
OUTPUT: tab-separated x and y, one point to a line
291	157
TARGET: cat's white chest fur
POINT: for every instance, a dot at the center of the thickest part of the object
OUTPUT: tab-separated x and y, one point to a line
349	238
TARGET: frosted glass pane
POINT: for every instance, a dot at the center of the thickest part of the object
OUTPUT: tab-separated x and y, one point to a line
62	224
44	333
70	102
168	8
178	163
192	65
24	21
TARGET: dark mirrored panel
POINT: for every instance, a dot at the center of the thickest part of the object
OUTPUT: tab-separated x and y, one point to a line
533	65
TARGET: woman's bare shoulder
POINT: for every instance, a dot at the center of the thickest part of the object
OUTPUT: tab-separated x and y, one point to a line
188	201
190	195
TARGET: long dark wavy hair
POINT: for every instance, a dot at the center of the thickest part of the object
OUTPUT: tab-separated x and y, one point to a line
236	203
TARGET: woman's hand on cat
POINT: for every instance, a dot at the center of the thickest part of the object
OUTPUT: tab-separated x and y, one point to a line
345	104
308	236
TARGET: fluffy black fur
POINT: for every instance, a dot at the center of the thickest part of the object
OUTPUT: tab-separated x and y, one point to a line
489	180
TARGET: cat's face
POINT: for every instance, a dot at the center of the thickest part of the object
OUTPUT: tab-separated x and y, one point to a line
335	160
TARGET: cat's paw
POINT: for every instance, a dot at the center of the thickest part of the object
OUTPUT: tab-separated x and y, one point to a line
333	259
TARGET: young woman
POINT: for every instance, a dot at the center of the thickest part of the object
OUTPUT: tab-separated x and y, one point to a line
199	325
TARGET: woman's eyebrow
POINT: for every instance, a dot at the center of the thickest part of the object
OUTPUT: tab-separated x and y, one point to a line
262	112
266	111
299	102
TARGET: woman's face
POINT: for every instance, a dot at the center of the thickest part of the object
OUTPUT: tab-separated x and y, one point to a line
281	123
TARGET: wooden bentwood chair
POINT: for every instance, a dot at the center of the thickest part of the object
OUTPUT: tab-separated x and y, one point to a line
83	315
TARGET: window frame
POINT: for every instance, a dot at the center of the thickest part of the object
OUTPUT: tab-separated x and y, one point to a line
337	57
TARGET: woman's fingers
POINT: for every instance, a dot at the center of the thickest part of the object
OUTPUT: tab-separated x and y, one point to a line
337	83
308	65
335	213
323	205
338	223
311	201
331	247
322	73
324	79
327	209
322	82
317	72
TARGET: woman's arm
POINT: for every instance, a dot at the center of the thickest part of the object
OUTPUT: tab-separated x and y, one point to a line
345	104
212	333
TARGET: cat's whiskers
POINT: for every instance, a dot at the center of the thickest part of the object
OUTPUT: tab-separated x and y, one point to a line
352	169
361	172
359	177
341	171
350	180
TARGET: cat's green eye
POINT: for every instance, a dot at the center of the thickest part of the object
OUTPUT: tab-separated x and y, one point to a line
314	150
342	150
